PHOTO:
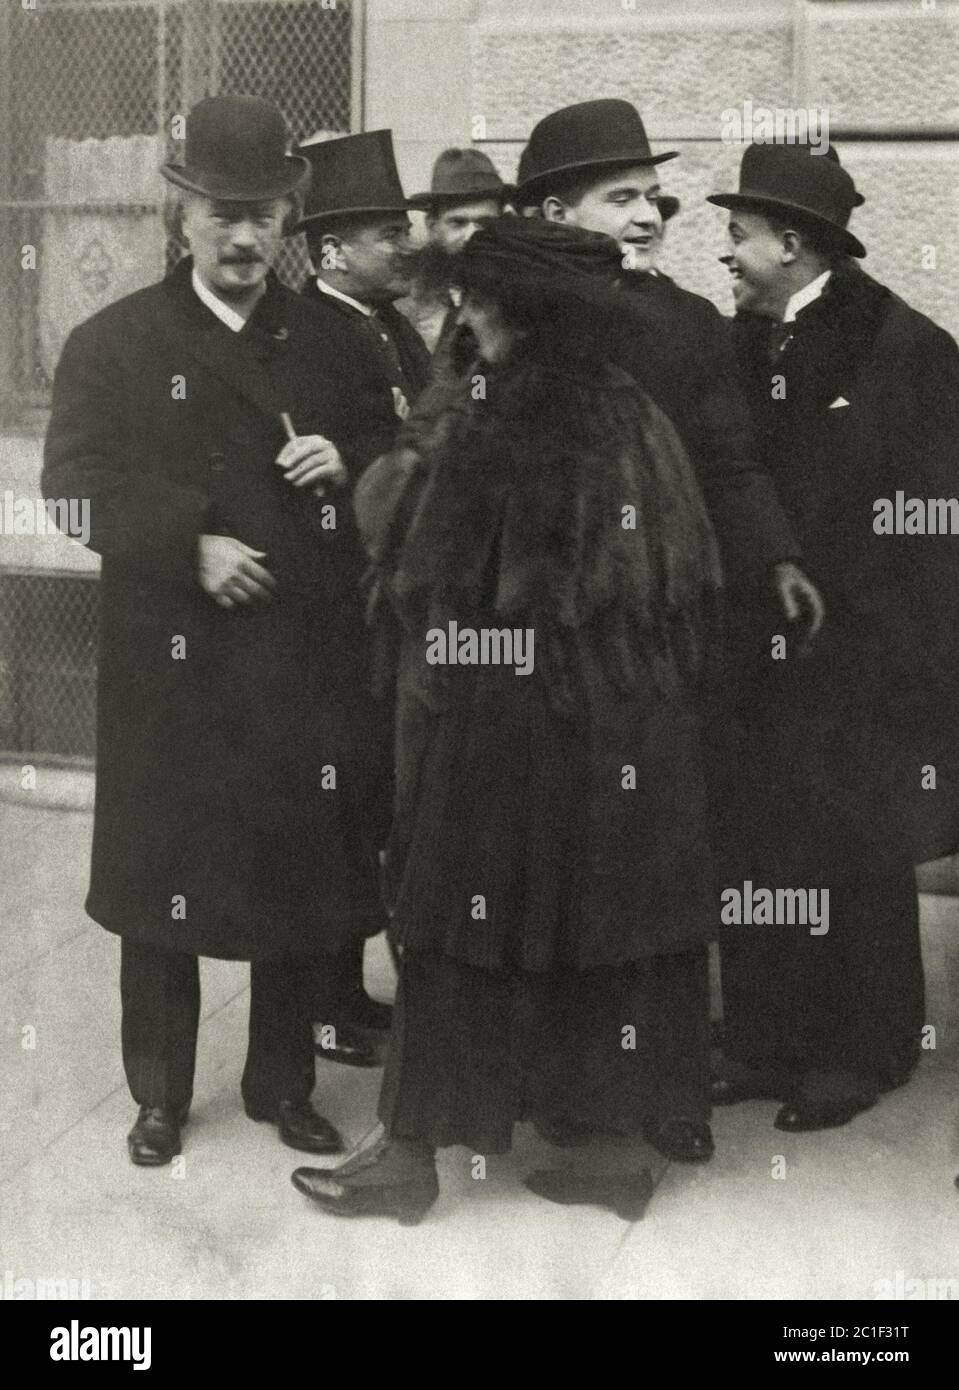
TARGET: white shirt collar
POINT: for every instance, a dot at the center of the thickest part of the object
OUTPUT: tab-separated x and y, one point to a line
347	299
234	321
805	296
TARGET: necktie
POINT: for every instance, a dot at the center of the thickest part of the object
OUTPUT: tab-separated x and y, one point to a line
780	336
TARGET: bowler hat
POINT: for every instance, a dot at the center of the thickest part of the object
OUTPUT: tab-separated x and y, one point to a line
792	179
590	135
356	173
461	176
235	149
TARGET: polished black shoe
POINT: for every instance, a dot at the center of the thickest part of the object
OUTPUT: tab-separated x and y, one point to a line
341	1042
301	1127
802	1115
372	1188
563	1131
686	1141
626	1194
155	1138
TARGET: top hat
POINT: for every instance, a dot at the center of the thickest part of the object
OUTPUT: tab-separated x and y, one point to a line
461	176
590	135
356	173
236	150
791	178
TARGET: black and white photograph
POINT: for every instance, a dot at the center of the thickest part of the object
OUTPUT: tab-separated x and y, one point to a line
479	663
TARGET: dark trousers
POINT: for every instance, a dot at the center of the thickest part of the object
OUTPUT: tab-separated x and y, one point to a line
337	982
473	1051
851	1001
160	992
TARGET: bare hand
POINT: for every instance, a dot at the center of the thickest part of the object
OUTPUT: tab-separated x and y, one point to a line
230	574
312	461
799	599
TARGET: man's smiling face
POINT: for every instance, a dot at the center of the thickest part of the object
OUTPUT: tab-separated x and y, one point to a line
624	205
756	265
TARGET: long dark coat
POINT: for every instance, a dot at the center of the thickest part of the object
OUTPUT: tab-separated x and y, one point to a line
409	370
877	696
218	827
679	351
499	794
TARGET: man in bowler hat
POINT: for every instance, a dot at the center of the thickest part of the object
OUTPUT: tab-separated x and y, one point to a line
465	194
591	166
243	775
357	226
840	779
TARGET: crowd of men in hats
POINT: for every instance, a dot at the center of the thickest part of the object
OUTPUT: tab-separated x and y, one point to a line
219	423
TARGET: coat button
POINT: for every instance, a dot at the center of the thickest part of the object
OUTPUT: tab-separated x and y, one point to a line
217	463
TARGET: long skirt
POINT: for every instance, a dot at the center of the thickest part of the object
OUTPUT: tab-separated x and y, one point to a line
474	1050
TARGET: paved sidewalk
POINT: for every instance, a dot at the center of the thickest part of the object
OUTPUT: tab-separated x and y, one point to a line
856	1206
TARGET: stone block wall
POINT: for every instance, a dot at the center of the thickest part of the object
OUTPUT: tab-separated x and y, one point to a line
886	72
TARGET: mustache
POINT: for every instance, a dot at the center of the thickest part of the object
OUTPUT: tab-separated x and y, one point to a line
241	260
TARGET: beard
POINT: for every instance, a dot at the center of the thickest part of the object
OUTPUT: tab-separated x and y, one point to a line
434	270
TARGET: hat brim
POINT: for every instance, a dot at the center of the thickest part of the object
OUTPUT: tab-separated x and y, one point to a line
325	214
618	161
423	202
850	243
293	178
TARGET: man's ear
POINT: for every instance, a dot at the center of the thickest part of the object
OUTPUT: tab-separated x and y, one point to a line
791	247
553	209
331	252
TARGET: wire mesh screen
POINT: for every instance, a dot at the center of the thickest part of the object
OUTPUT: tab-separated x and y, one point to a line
116	72
48	643
88	92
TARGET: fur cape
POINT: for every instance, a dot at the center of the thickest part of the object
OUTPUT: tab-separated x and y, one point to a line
550	492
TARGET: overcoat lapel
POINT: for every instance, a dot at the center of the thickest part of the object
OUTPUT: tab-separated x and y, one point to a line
190	328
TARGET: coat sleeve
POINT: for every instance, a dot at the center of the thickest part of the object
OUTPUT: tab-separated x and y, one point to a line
750	524
139	519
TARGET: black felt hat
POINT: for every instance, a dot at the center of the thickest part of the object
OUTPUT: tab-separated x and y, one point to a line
235	149
600	135
791	178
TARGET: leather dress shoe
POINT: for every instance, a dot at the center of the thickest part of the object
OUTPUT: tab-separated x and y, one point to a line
348	1045
155	1138
686	1141
372	1185
301	1127
626	1194
802	1115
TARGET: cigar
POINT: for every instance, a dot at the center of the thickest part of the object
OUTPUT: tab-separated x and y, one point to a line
287	424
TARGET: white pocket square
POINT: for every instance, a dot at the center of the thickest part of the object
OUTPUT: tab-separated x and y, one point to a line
839	401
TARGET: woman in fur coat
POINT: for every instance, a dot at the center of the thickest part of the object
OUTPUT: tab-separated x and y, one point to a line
544	560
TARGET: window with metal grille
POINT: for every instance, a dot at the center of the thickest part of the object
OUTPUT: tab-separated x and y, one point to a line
88	93
88	90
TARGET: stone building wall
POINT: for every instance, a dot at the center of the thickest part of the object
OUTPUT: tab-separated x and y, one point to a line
886	71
